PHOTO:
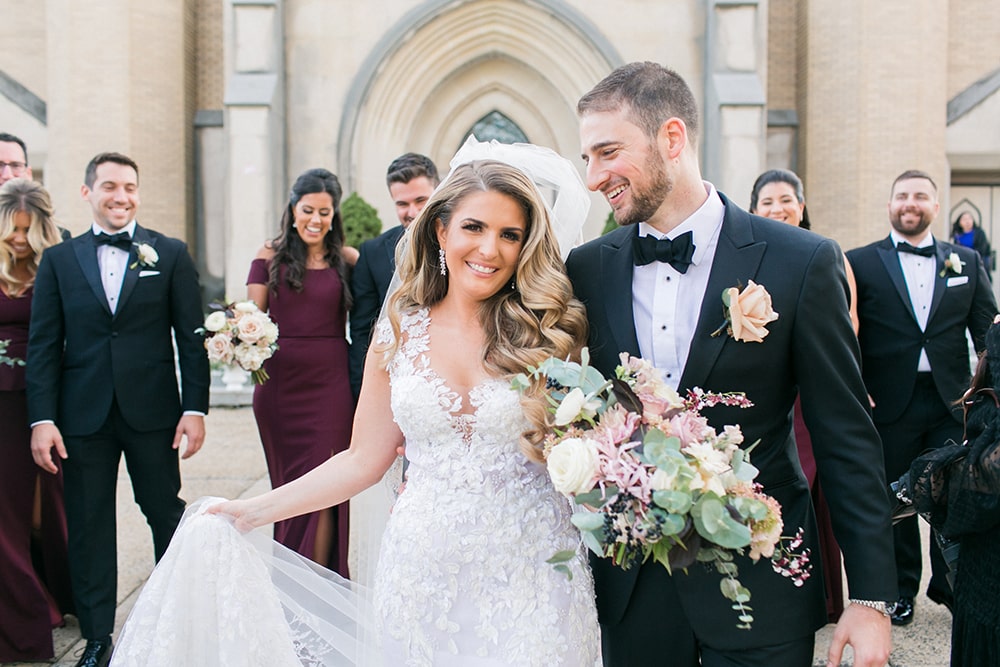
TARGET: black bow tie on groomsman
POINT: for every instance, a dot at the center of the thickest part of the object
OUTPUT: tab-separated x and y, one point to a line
675	252
923	251
120	240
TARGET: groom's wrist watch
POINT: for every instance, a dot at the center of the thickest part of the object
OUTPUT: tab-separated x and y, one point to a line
877	605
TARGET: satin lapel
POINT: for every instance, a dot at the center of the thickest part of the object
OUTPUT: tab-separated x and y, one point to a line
890	259
737	258
616	268
132	274
940	281
86	255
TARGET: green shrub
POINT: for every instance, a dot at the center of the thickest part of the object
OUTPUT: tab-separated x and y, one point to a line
361	221
609	224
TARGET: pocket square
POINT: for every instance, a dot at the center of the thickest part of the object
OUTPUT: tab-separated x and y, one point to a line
143	274
957	280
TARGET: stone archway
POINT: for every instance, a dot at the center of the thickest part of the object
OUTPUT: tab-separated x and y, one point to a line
447	64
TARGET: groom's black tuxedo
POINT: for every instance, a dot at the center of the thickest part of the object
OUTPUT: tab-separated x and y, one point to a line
369	284
810	348
108	381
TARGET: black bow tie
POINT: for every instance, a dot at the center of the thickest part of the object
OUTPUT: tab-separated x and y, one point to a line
677	252
120	240
923	251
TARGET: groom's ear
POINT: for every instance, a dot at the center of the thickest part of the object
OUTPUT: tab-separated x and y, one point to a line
672	137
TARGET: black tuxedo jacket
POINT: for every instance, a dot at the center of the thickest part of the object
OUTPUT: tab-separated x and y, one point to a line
82	356
369	284
810	348
891	339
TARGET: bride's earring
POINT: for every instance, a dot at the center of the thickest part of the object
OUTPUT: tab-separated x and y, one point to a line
444	267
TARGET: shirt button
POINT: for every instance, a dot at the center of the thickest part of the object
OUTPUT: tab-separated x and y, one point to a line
663	328
670	375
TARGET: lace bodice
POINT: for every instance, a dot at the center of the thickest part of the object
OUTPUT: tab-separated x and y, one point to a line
462	571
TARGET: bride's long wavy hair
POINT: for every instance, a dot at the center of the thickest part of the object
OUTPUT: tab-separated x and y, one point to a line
523	326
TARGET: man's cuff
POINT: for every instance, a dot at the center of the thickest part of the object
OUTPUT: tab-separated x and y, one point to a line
42	421
193	412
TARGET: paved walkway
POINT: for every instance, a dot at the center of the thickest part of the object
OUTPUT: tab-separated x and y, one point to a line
231	464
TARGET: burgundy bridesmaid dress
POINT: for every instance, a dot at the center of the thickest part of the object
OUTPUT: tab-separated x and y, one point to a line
305	410
34	572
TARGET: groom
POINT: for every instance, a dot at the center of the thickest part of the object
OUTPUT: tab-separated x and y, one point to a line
108	306
638	130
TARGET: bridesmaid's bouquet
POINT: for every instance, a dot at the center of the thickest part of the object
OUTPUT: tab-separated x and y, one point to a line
651	479
240	333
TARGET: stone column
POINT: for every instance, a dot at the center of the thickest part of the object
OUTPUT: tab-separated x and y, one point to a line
255	134
733	119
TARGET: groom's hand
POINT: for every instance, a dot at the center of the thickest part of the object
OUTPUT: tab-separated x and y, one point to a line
192	426
868	631
45	437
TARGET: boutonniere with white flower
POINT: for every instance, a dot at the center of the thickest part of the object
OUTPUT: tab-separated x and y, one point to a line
146	256
954	264
747	312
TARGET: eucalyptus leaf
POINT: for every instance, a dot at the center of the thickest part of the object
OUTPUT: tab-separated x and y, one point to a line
588	521
562	556
565	570
676	502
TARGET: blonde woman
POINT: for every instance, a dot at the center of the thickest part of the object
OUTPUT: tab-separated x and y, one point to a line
28	607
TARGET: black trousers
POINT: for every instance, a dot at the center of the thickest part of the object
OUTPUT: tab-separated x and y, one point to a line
633	643
927	423
90	482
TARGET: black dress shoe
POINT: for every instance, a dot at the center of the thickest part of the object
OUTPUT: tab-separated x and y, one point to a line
934	595
97	653
902	612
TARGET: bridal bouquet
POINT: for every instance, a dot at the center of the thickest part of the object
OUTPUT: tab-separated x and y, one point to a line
243	334
652	479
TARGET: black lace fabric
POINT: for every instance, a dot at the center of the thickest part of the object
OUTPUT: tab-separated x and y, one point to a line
957	489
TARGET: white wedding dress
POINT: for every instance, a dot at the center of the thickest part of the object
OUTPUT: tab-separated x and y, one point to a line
461	579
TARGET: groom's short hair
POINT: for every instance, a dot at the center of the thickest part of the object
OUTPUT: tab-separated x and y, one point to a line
650	93
90	175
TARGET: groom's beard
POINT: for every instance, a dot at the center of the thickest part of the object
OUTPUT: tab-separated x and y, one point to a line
646	201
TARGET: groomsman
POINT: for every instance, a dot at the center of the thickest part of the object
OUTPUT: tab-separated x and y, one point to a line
653	288
411	179
13	158
917	297
108	306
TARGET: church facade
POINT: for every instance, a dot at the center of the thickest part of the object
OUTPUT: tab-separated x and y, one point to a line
224	102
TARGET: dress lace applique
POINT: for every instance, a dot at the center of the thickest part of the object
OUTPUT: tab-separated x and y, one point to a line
462	573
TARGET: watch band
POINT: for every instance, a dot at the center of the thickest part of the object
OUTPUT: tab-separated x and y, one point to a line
877	605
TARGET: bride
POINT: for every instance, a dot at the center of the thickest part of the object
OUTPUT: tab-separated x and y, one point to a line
462	577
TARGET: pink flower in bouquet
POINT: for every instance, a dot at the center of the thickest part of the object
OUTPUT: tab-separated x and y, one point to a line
690	427
220	348
617	424
251	327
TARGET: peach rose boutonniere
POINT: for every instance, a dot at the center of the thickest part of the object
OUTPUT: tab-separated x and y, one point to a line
954	264
748	312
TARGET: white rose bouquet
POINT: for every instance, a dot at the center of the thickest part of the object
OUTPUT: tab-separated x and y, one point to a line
652	479
243	334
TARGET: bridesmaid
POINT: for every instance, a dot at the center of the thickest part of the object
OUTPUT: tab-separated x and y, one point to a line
31	601
304	412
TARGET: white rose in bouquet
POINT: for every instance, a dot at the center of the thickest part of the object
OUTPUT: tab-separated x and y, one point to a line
251	357
251	327
215	321
572	465
245	307
270	335
220	348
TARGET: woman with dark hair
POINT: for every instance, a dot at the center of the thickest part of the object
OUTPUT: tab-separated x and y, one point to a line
956	488
965	231
32	600
778	194
304	411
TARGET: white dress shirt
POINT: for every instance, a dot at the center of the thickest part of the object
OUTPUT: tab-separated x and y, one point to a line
918	272
665	302
113	262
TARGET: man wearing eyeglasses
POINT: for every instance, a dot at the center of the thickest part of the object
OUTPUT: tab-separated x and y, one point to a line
13	158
